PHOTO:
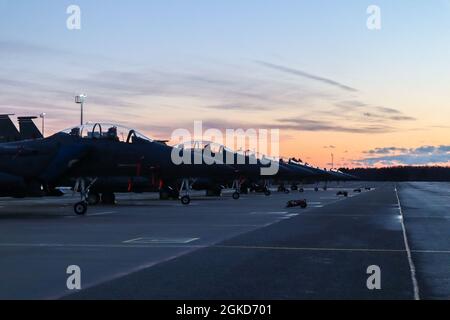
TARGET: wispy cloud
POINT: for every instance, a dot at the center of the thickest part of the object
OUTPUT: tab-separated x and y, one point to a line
321	125
289	124
307	75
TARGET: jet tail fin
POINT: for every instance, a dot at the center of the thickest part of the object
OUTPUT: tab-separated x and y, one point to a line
28	129
8	131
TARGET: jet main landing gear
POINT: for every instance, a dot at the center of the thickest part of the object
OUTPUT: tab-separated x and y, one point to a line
184	192
237	189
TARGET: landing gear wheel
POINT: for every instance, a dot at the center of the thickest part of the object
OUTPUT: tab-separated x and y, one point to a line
108	198
301	190
294	188
236	195
316	189
286	191
303	204
80	208
185	200
267	193
93	199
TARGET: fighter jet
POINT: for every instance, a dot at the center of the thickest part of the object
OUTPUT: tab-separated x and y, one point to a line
253	171
87	153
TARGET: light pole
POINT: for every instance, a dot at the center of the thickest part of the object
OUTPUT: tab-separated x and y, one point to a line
42	116
80	100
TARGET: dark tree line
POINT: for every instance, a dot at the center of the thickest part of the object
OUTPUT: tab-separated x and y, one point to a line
401	173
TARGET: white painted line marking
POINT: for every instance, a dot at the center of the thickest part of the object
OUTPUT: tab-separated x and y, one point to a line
269	212
149	246
91	215
292	215
101	213
408	251
431	251
310	249
339	215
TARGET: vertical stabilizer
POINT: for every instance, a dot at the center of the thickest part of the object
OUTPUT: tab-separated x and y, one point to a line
8	131
28	129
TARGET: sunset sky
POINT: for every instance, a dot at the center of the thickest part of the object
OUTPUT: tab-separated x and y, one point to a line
310	68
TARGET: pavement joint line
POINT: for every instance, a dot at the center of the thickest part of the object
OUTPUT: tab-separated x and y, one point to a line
408	250
153	240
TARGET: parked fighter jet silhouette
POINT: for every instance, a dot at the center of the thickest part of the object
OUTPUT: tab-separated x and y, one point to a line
89	152
253	171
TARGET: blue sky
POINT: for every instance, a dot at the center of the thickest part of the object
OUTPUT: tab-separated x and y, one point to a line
158	65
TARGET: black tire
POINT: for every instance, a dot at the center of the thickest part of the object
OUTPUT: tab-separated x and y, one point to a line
108	198
325	188
185	200
316	189
93	198
345	194
287	191
303	204
80	208
236	195
301	190
267	193
294	188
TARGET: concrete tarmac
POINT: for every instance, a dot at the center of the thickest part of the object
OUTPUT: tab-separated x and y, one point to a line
220	248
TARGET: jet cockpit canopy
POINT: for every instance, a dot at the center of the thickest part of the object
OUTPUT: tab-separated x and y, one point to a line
109	131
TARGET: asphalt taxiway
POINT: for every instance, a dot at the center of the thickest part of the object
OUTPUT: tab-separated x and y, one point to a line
220	248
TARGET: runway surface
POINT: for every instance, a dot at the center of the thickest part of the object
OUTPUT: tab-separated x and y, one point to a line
220	248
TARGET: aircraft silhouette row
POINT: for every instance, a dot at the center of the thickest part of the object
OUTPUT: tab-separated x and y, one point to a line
100	159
